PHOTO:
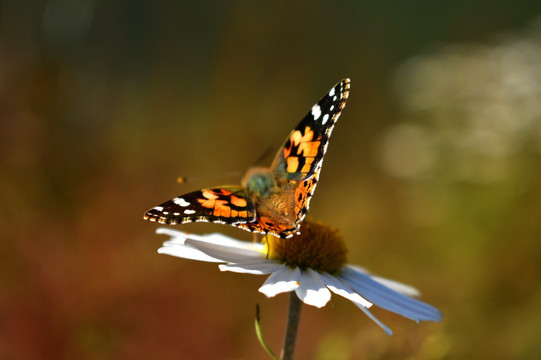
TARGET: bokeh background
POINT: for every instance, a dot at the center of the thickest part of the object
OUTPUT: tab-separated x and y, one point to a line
432	175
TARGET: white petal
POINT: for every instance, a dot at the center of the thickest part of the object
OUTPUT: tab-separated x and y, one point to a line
175	234
387	298
219	239
257	267
398	286
339	288
282	280
185	252
174	242
395	285
191	246
312	290
365	308
214	238
375	319
358	268
233	252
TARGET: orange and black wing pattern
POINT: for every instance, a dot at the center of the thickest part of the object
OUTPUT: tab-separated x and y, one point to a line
303	193
264	225
302	154
224	205
295	168
301	157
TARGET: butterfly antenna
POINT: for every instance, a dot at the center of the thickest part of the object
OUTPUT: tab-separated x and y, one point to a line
182	179
185	179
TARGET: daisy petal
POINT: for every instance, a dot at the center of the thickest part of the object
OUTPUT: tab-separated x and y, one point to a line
398	286
256	267
233	252
219	239
214	238
387	298
175	234
177	246
282	280
312	290
185	252
339	288
395	285
375	319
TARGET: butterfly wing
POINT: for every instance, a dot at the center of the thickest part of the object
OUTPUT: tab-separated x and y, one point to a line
298	163
225	205
303	193
301	156
268	225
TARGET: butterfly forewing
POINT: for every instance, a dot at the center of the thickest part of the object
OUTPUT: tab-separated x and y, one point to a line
301	157
227	205
303	151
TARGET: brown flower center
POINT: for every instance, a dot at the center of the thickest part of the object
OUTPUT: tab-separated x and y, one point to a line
318	247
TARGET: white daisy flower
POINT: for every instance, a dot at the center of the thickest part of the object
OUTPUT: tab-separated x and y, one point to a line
312	264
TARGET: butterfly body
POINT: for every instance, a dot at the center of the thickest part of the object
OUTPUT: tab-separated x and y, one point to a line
270	200
260	181
274	200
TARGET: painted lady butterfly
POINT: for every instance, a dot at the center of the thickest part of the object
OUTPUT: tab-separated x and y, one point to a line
270	200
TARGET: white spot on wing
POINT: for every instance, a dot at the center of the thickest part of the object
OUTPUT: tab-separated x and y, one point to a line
189	211
316	111
181	202
331	93
325	118
158	208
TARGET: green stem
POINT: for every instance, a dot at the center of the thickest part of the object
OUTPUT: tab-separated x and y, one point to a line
259	334
293	317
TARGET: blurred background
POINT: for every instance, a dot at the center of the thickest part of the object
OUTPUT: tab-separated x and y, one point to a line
432	174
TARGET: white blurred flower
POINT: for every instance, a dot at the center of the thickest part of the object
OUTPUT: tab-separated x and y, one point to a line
312	264
471	112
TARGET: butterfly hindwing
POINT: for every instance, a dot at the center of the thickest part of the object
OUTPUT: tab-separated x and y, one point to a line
302	154
303	194
263	226
226	205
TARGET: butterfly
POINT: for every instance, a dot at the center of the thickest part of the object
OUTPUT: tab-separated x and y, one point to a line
271	200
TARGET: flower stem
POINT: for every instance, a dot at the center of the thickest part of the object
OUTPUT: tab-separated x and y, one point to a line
259	334
293	317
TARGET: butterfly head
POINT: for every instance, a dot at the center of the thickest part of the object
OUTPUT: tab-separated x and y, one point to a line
259	180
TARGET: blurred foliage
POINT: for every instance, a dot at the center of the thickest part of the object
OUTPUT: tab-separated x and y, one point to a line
432	174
